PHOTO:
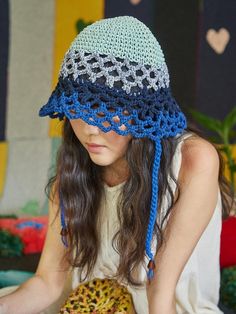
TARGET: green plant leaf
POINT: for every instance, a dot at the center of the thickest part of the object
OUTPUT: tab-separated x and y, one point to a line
233	168
207	122
229	122
232	135
81	24
230	119
224	148
221	149
215	139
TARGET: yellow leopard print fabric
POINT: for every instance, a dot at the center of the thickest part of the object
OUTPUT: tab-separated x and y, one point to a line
99	296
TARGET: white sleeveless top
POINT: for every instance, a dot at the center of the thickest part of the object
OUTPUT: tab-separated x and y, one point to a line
197	291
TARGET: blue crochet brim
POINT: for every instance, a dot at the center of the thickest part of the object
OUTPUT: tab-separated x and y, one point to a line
145	114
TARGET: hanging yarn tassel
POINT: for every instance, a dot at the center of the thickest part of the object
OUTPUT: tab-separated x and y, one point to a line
153	210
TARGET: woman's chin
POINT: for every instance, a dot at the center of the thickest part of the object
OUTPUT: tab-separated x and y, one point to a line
100	160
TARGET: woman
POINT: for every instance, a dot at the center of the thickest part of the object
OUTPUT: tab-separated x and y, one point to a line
137	196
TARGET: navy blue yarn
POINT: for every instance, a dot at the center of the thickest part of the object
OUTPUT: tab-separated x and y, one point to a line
154	114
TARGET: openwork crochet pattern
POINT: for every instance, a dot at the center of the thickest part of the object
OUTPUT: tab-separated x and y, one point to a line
114	72
114	76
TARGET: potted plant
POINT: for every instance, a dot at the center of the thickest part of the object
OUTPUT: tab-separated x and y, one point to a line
225	137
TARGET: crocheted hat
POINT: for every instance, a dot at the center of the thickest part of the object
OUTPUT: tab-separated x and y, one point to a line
115	67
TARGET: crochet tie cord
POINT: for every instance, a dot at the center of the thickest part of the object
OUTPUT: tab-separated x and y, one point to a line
114	76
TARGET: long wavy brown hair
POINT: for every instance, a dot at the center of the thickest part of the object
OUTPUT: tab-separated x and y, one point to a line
80	183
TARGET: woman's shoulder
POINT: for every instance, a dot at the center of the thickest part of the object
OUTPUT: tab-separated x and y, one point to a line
198	155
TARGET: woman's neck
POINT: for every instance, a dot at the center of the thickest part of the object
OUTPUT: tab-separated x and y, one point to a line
116	173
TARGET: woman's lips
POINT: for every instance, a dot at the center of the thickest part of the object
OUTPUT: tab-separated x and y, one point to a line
94	148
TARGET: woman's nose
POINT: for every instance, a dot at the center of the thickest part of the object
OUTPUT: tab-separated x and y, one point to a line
92	129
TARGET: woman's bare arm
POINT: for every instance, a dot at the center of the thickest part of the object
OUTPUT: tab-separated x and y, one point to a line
45	287
190	216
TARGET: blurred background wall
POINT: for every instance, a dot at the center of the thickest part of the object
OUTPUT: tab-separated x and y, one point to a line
198	39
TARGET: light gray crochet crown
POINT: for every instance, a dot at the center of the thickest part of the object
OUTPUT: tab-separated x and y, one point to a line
123	54
124	37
